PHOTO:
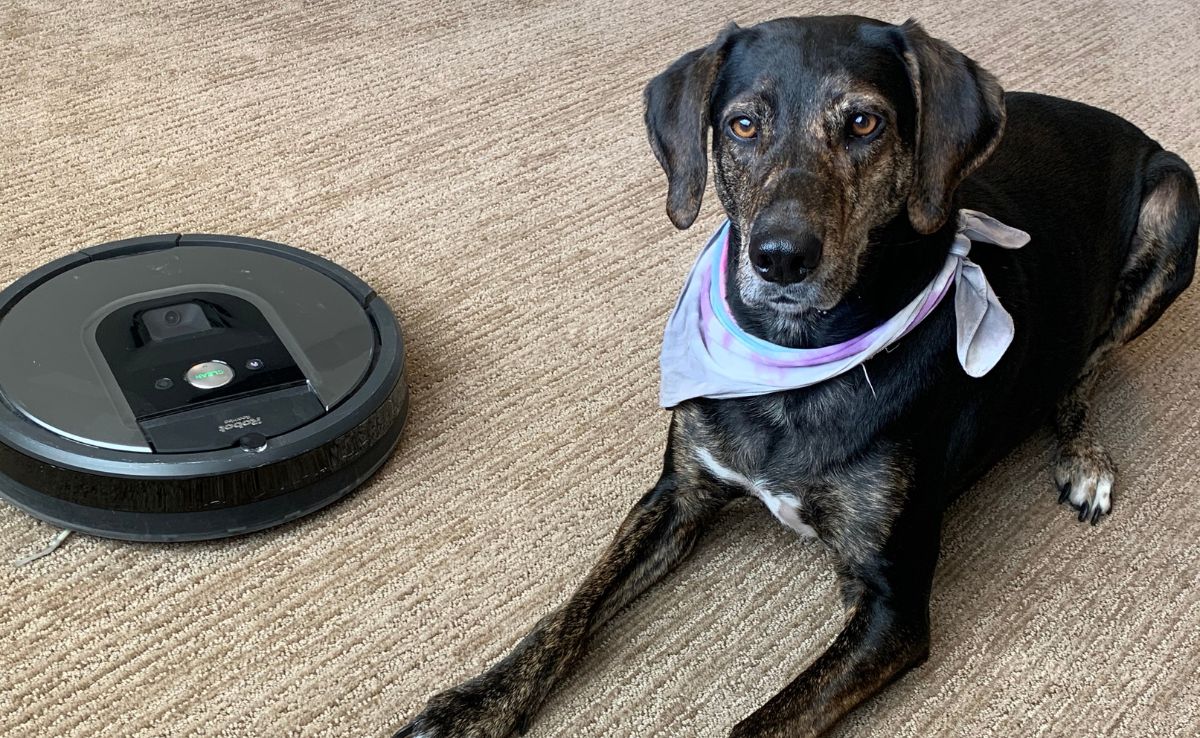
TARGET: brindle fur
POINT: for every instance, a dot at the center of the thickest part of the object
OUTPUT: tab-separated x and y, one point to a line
873	463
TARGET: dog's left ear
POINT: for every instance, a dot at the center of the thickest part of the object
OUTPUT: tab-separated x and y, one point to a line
676	122
960	119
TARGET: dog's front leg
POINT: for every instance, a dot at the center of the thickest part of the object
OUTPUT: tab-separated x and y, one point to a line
886	633
656	534
876	645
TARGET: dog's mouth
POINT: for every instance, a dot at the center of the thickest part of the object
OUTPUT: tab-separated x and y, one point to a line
785	301
786	304
791	300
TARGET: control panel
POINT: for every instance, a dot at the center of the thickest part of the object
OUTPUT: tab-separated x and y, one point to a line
205	371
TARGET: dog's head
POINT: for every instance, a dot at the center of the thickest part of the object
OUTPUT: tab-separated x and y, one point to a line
824	130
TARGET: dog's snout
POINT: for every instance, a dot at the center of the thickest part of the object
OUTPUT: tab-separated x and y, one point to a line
785	258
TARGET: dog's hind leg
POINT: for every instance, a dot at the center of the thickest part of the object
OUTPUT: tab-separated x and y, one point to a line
1161	260
657	533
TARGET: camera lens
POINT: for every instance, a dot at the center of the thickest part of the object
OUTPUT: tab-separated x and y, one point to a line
173	321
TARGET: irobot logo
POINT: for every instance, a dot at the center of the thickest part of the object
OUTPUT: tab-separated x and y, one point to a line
238	423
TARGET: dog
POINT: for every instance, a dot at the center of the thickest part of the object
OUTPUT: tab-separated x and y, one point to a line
845	152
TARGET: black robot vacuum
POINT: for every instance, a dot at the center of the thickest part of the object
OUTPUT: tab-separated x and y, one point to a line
185	387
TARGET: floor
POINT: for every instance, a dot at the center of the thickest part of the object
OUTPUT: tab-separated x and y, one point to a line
483	165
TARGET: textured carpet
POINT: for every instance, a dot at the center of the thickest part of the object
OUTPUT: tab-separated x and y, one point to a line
484	167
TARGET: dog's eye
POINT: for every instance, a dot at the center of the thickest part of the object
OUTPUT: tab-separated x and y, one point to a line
743	127
863	125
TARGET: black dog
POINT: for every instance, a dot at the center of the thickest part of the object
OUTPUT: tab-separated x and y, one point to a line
843	149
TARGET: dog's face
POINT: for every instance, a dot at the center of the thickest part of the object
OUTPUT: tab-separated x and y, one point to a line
824	130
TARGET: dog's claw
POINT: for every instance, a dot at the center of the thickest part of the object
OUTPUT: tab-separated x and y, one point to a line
1096	516
1084	476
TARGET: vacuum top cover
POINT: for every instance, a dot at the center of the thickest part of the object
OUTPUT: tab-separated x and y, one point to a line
114	352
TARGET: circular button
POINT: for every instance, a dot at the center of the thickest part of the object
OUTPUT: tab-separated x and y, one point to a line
255	442
164	383
209	375
253	364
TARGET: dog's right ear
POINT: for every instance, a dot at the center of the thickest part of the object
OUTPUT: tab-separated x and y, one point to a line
676	121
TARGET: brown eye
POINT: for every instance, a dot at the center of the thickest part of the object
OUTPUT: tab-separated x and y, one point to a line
743	127
863	125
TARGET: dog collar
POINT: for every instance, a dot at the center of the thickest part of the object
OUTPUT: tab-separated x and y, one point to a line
706	354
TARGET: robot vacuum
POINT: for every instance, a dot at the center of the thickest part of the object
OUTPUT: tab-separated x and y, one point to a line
185	387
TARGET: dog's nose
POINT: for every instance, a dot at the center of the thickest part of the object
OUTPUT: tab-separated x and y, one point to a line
785	258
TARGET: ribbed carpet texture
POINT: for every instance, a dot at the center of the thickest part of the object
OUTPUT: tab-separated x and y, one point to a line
484	166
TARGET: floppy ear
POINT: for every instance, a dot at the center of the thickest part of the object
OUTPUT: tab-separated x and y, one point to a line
676	121
960	118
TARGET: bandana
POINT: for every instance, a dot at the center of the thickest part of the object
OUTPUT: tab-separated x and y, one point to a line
706	354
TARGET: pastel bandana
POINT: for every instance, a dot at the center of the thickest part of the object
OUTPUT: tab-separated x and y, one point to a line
706	354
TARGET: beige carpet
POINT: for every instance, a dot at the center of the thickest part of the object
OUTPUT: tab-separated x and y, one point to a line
484	166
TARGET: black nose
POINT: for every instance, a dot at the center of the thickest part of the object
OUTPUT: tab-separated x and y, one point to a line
785	258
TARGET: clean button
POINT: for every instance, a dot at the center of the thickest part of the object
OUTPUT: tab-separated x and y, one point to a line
209	375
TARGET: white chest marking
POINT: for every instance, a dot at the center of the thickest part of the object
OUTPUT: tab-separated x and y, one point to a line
782	505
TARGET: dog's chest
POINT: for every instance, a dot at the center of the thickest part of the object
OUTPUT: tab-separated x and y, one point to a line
784	505
809	455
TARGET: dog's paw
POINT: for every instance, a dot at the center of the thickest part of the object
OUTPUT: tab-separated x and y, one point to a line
1084	477
753	727
467	711
742	730
412	731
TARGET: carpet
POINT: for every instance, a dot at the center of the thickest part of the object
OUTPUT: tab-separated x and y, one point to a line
483	165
